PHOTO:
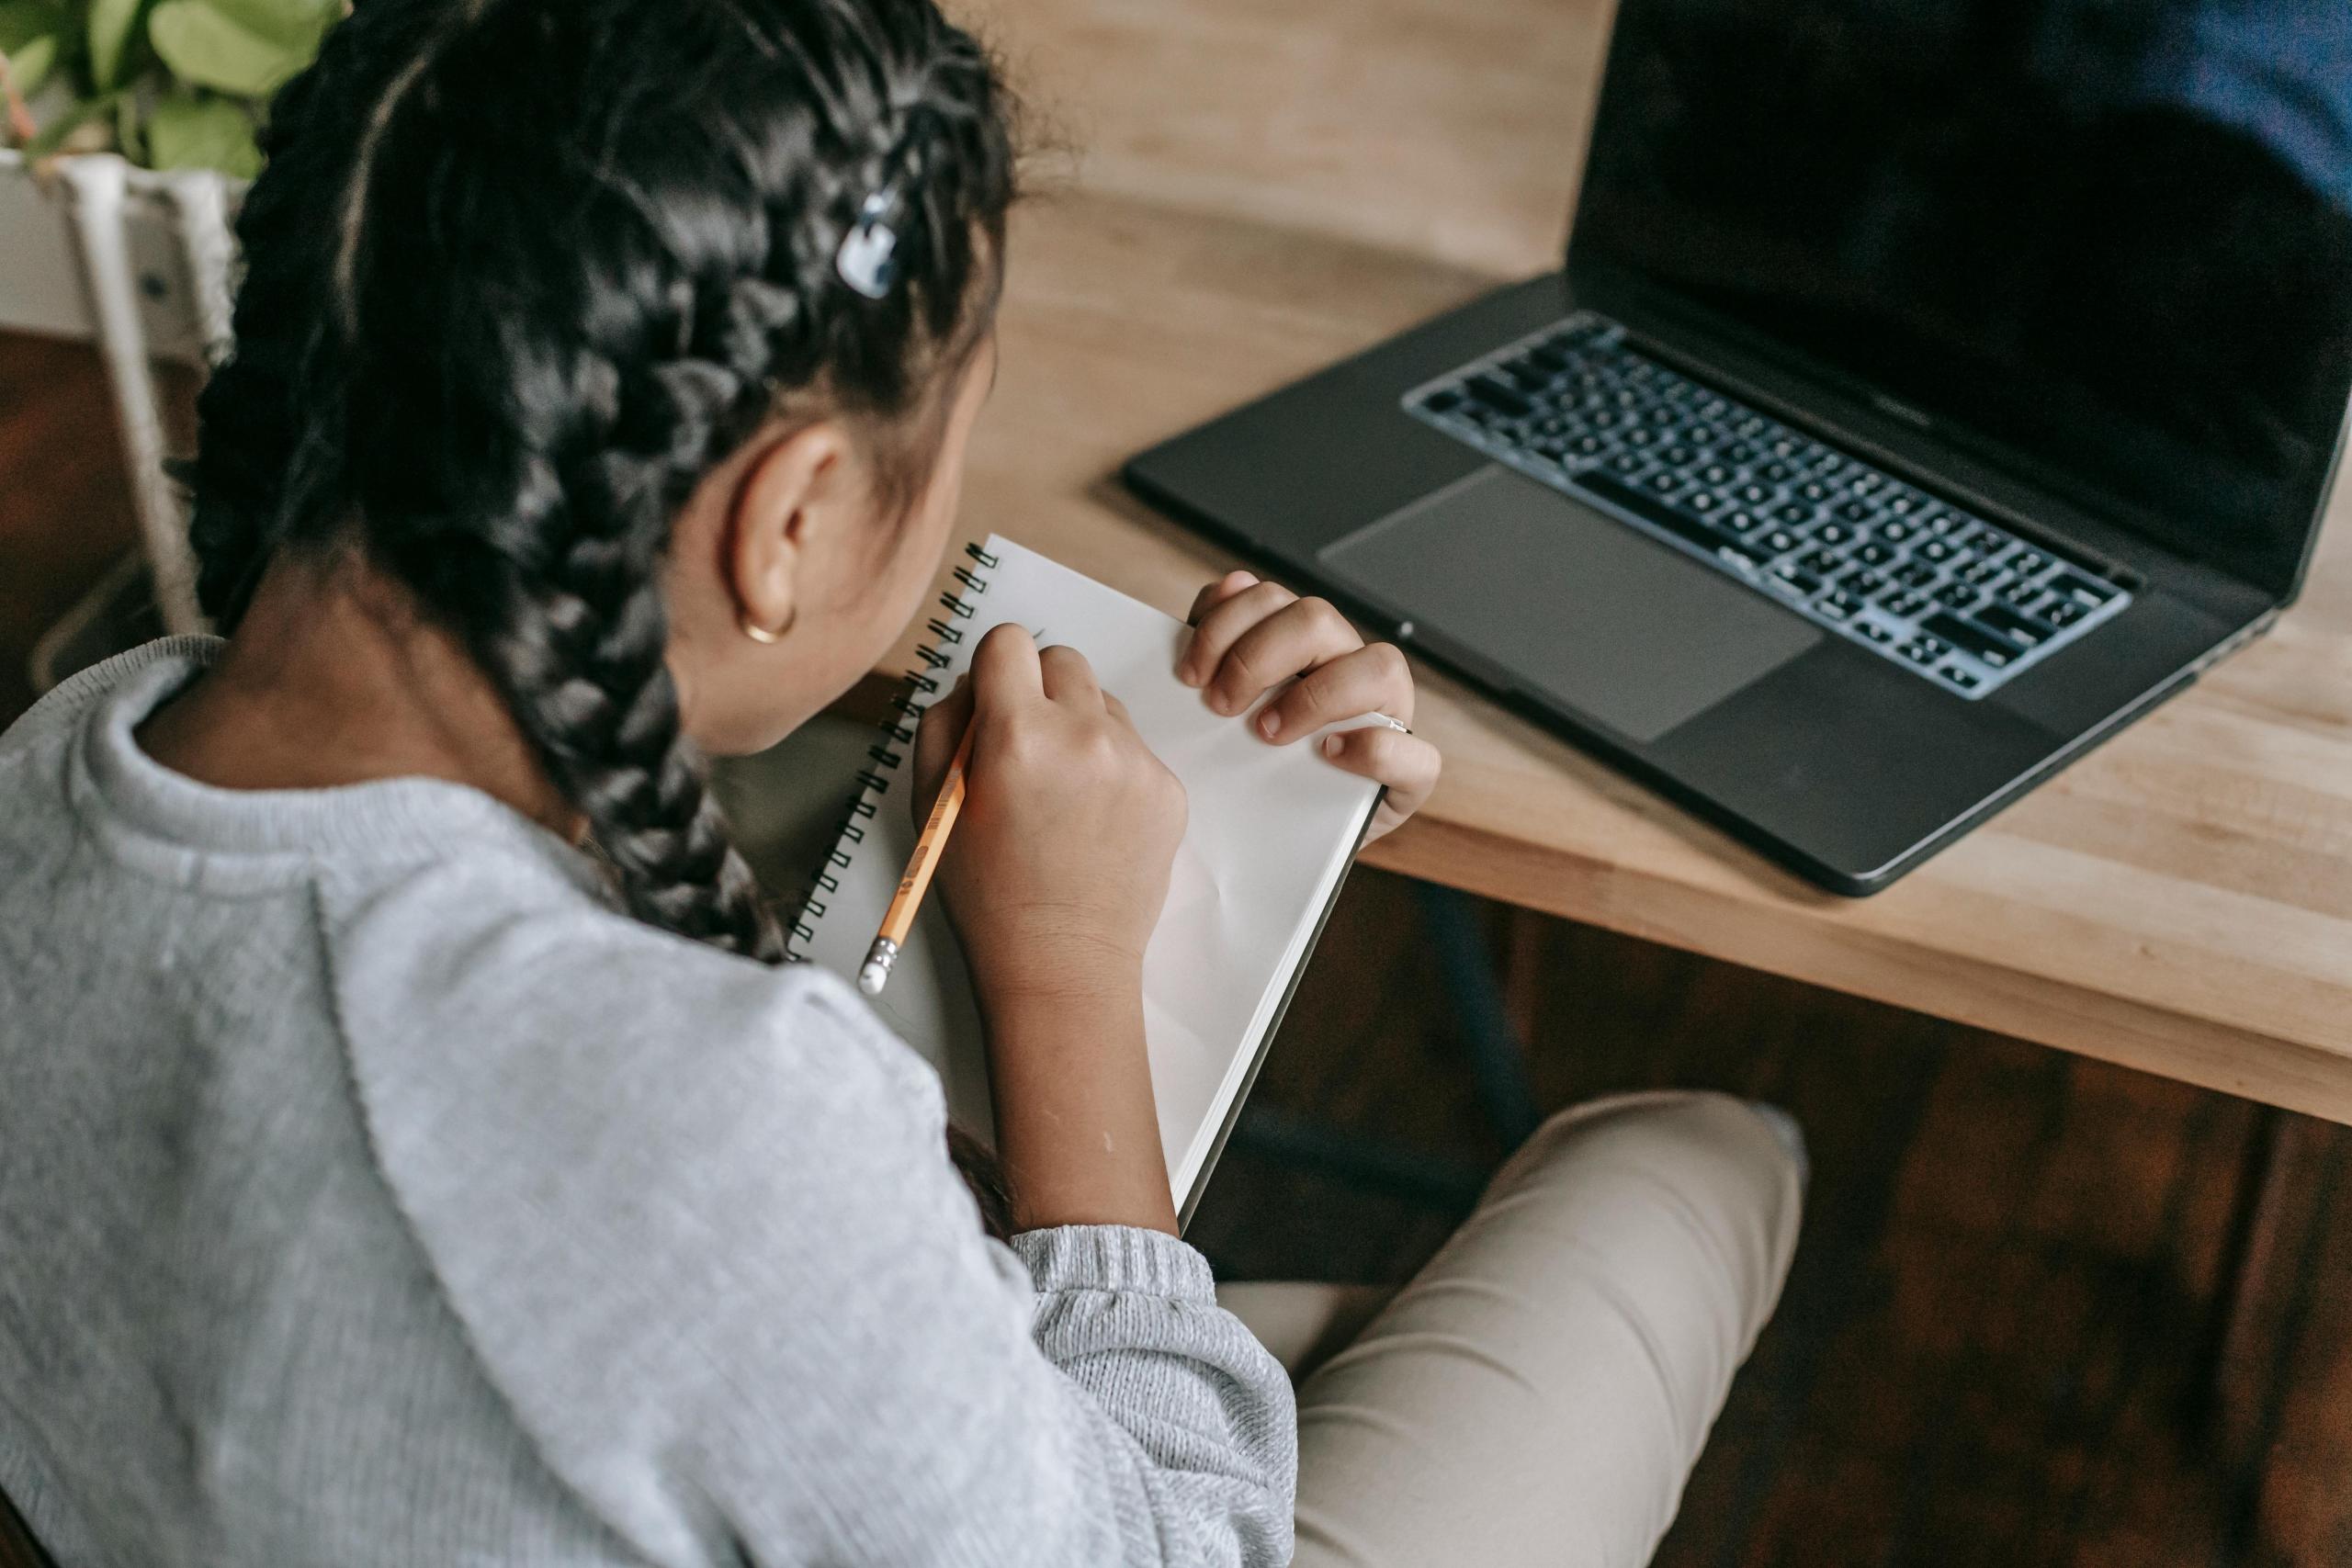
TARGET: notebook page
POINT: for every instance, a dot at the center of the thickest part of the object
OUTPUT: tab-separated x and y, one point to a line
1269	829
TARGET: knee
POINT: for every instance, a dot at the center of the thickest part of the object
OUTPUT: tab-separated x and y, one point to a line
1735	1169
1752	1133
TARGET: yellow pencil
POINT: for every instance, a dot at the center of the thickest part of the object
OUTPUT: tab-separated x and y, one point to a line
900	918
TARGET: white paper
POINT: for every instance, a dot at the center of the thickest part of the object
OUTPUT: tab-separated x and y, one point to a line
1269	832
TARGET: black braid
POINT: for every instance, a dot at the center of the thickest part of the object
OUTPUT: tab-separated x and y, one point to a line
520	271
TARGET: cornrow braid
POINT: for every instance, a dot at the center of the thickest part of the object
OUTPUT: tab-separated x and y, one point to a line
519	273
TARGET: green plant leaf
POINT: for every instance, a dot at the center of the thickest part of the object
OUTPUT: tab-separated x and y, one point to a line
109	25
28	62
186	131
296	23
207	48
21	21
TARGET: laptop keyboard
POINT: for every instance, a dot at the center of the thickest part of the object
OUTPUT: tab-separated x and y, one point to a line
1849	546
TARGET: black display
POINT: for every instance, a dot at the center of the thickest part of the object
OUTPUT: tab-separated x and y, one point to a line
2112	237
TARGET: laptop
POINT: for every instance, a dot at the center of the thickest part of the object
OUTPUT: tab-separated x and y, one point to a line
1928	391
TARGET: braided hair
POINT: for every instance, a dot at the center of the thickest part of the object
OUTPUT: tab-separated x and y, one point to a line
519	273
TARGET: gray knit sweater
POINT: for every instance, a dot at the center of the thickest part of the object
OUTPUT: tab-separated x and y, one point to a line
372	1194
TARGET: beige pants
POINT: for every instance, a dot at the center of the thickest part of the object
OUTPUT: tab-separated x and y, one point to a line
1538	1394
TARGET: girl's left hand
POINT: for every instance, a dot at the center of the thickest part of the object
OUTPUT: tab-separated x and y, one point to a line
1250	636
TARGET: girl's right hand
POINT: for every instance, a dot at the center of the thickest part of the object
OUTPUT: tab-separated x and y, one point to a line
1057	866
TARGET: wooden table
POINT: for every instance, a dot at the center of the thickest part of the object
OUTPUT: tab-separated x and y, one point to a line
1243	192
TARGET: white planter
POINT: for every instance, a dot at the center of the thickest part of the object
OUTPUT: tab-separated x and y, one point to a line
42	285
91	247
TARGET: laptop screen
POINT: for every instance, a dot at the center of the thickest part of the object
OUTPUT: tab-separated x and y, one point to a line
2112	235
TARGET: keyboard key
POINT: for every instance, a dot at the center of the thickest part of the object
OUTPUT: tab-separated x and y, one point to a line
2063	614
1446	400
1755	494
2028	562
1737	452
1947	524
1874	554
1794	515
1639	436
1663	515
1904	504
1813	489
1491	393
2082	590
1857	511
1786	575
1918	652
1862	583
1971	638
1702	501
1868	484
1916	575
1838	605
1523	374
1741	521
1896	532
1826	562
1703	435
1665	484
1959	677
1984	571
2024	595
1777	473
2010	624
1873	631
1904	604
1588	446
1937	550
1628	463
1715	473
1833	533
1778	541
1958	595
1677	455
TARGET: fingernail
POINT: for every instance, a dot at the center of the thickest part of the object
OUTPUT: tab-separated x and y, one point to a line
1270	723
1333	745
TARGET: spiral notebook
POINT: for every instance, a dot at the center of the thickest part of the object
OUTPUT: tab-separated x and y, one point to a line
1270	835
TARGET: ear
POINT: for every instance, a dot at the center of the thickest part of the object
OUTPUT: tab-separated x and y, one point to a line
795	492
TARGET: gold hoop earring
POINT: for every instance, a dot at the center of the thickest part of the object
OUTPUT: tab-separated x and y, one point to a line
760	633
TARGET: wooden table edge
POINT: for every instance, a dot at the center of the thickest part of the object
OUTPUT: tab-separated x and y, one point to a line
1973	991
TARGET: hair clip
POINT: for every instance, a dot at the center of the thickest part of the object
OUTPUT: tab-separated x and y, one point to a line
868	258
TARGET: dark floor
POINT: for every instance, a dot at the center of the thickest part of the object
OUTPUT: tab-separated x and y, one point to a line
1995	1340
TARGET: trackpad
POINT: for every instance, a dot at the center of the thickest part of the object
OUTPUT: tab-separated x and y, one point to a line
1578	606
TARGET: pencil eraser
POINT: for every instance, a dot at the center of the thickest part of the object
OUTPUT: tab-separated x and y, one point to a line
870	978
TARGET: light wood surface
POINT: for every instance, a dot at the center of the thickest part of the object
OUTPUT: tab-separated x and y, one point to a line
1234	194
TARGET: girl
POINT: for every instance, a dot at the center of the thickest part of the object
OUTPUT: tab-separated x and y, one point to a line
415	1153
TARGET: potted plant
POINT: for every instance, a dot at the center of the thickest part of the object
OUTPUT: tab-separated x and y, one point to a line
174	89
126	135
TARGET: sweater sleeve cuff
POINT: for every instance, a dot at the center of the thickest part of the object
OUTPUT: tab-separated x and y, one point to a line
1115	1257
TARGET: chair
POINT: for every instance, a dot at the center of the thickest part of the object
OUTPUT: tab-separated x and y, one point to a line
155	254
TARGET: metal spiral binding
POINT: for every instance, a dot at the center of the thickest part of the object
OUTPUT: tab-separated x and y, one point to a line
916	690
